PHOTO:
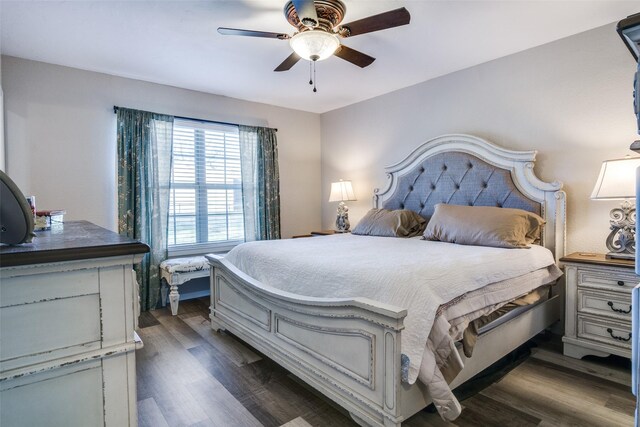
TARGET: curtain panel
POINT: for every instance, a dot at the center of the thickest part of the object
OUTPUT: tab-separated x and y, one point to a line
144	172
260	182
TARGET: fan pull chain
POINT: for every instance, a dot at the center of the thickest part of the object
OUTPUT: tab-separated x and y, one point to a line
314	77
310	79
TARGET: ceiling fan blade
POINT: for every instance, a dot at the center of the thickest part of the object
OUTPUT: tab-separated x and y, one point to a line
306	9
251	33
382	21
355	57
288	63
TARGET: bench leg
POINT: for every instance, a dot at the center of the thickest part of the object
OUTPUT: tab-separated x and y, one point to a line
174	299
164	292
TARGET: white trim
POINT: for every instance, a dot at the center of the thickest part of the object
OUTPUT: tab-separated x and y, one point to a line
178	251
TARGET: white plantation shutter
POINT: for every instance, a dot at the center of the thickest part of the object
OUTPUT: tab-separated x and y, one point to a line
205	210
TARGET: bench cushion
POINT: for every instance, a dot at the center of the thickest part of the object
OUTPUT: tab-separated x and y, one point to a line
185	265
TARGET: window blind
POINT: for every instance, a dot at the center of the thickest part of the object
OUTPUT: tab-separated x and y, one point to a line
205	206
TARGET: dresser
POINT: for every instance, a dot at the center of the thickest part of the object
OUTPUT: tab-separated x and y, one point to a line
598	305
68	305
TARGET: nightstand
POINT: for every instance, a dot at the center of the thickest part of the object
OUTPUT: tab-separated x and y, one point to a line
598	305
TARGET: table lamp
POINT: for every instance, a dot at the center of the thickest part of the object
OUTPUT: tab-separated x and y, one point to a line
617	182
342	191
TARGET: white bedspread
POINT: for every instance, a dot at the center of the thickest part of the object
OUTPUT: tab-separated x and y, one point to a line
415	274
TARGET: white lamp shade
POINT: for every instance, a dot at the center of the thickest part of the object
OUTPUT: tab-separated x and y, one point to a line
314	43
341	191
617	179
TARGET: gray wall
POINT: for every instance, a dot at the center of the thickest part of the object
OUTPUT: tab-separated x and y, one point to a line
61	138
571	100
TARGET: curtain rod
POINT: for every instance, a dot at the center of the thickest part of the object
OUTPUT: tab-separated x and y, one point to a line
116	108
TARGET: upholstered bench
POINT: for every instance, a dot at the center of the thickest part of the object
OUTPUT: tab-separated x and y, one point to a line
177	271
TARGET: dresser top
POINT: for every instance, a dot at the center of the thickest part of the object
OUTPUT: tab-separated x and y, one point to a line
598	259
75	240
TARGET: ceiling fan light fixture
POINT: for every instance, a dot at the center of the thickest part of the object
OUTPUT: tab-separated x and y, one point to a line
314	45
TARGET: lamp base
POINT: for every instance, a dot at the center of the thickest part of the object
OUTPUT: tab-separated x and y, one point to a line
621	241
342	220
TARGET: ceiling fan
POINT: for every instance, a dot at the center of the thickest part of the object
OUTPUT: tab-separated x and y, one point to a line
319	31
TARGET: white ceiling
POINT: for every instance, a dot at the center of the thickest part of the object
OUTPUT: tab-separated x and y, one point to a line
176	43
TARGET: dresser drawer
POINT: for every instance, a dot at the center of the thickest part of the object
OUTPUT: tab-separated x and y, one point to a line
605	279
36	288
610	304
605	331
31	333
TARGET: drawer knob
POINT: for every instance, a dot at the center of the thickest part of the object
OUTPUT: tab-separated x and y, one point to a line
617	337
620	283
618	310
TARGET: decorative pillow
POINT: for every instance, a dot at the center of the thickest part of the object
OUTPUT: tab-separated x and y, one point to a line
387	223
483	226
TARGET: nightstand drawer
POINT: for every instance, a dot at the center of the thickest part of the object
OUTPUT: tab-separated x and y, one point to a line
608	332
609	280
610	304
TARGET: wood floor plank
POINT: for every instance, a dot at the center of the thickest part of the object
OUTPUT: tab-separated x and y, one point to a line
223	410
607	372
624	405
149	414
205	423
297	422
550	413
189	375
174	373
594	387
146	319
481	410
238	381
539	393
237	353
161	370
326	415
287	399
255	405
188	337
262	387
427	419
244	384
196	305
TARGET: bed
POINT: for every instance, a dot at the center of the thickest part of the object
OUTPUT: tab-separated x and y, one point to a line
351	348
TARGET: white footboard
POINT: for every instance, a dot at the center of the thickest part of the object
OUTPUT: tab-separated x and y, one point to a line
349	349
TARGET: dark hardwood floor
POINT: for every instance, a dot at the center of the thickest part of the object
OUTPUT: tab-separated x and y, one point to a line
189	375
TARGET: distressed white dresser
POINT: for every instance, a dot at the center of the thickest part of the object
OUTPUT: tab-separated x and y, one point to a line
598	305
67	340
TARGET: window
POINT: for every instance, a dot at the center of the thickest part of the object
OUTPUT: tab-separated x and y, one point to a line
205	206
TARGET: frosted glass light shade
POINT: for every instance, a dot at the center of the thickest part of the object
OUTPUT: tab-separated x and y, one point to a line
316	44
617	179
341	191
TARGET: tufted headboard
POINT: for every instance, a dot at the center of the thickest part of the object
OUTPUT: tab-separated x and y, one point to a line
467	170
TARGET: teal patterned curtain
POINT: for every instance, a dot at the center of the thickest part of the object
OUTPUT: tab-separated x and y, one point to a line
144	171
260	183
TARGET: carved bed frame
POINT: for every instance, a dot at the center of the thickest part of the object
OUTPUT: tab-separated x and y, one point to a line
364	377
